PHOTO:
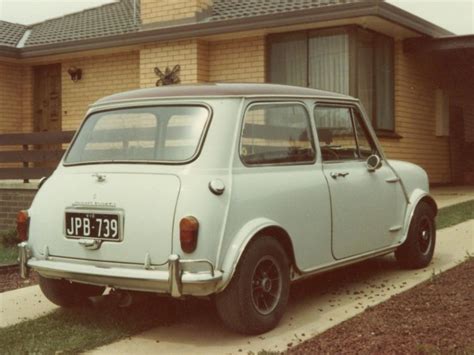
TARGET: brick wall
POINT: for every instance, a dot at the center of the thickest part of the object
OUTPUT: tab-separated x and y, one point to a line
415	85
171	10
11	201
13	105
237	60
16	107
27	99
101	76
191	55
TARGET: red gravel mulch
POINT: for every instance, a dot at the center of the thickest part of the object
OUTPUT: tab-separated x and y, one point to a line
436	317
10	279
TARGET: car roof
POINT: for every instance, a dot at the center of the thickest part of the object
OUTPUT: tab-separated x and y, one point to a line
220	90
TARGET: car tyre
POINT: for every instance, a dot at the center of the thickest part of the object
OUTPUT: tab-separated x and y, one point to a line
256	298
418	249
68	294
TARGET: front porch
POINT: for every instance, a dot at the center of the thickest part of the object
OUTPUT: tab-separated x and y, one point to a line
453	58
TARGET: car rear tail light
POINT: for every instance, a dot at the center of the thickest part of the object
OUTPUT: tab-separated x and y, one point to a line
22	224
188	233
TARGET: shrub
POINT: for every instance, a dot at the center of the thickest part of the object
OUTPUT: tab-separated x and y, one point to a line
9	238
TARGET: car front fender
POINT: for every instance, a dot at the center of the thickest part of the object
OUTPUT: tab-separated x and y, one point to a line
417	196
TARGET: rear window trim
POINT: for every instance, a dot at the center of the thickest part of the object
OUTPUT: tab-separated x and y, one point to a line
195	156
277	102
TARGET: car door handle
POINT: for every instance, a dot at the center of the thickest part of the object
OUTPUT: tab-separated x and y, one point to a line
336	175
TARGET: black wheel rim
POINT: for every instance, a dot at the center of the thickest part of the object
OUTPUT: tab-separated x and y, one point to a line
266	285
425	234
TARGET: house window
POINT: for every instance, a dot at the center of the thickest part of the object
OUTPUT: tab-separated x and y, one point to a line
350	61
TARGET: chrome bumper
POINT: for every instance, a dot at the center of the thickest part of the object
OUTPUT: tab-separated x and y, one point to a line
23	256
179	279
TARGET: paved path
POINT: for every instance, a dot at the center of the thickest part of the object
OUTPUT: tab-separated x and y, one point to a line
24	303
451	195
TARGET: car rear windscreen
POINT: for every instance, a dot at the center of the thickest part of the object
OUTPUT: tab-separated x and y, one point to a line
153	134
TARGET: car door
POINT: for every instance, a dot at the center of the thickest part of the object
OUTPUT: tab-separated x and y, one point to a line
278	179
367	206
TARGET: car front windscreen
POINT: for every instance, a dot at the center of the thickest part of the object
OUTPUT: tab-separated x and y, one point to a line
168	134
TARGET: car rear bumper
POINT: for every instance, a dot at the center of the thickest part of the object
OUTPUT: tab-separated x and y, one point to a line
180	278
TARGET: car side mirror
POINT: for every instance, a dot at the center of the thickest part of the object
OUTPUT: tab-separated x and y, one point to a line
373	163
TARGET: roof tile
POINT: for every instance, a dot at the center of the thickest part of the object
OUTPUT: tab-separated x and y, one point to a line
118	18
234	9
107	20
11	33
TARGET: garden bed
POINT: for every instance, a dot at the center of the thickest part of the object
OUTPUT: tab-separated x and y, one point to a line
433	318
10	278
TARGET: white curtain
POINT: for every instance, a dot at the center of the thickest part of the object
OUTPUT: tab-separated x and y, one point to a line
329	63
329	70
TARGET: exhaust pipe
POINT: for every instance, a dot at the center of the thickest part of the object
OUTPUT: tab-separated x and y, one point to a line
125	299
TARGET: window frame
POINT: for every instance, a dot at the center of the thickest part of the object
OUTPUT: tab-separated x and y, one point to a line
351	107
359	33
195	156
310	130
354	32
363	124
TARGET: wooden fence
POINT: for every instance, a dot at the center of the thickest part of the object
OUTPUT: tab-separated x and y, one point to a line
40	152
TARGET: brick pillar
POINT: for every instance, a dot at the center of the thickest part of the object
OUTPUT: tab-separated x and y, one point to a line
191	55
156	11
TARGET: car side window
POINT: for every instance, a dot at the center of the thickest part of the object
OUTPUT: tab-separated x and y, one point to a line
341	134
364	142
277	134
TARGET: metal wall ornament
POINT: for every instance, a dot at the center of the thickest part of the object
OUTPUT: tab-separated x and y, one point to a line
169	76
75	74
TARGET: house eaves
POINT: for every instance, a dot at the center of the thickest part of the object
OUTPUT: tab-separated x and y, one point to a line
396	15
439	45
208	28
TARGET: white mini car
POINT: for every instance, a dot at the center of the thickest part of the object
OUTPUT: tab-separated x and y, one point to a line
230	190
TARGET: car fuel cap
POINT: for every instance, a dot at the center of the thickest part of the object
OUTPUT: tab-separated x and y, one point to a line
217	187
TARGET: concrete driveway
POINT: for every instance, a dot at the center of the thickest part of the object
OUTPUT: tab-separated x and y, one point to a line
316	304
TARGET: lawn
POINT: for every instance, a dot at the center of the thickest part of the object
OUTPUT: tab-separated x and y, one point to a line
449	216
8	255
8	249
77	330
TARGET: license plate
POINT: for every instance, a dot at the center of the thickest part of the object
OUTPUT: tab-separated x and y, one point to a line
104	226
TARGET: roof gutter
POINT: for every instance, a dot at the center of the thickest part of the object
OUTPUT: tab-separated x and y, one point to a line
202	29
9	52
